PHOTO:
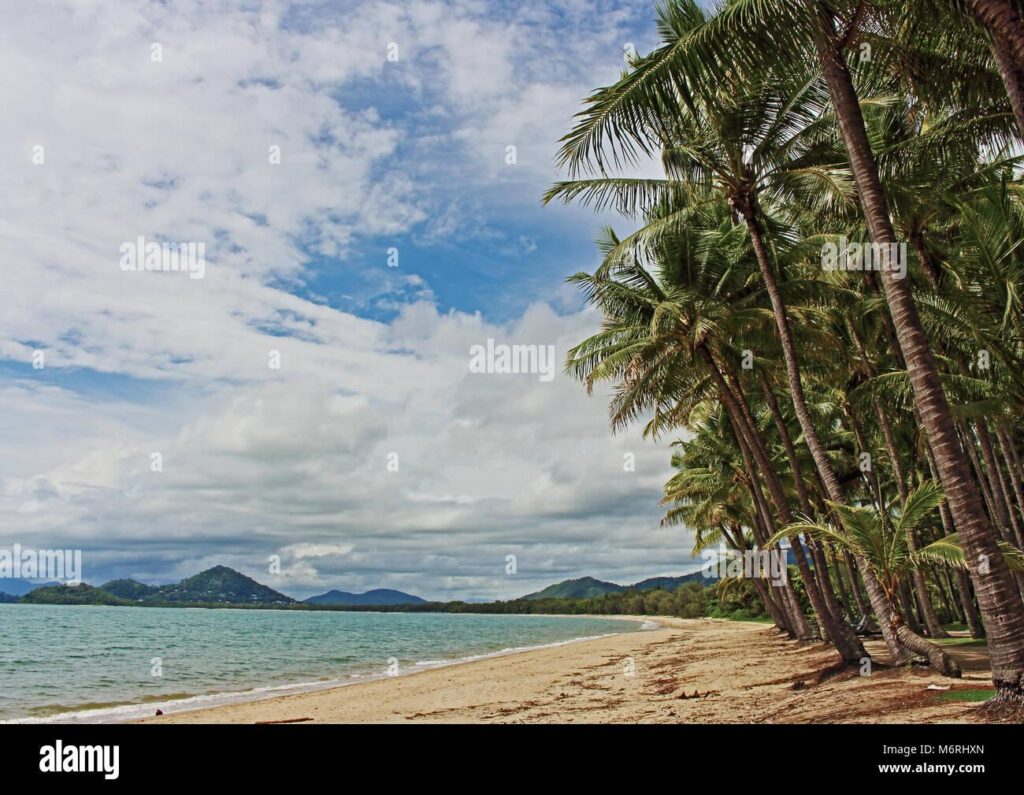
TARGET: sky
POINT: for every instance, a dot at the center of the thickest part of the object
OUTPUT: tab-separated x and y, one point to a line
347	167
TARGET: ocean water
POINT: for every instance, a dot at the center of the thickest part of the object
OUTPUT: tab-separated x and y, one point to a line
97	664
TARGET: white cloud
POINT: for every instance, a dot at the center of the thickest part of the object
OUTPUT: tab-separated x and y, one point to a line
292	461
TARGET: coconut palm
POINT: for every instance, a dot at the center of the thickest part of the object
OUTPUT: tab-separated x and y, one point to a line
666	339
880	538
746	43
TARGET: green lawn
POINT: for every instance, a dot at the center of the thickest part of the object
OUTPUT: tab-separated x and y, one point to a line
967	694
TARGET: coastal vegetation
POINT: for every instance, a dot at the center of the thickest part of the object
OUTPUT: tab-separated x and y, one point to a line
822	304
692	600
689	596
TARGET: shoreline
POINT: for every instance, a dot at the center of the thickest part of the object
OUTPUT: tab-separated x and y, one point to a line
137	712
681	671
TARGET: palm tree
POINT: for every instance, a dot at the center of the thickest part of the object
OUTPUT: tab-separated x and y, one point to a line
749	40
663	339
743	139
880	539
711	494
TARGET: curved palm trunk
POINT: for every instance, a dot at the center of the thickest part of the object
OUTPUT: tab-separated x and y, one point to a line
839	632
779	615
836	605
1003	24
876	596
764	529
1000	606
937	658
1013	80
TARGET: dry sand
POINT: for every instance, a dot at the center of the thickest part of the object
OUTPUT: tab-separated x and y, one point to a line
687	671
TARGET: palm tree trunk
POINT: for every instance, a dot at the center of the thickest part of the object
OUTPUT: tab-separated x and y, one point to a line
838	631
1014	464
764	528
779	615
820	563
937	658
1013	79
879	601
787	444
1004	503
907	606
979	476
931	621
974	623
973	619
1000	605
996	511
858	594
1008	453
843	593
1003	24
833	624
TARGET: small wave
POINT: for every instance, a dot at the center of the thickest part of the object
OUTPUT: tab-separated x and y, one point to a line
168	705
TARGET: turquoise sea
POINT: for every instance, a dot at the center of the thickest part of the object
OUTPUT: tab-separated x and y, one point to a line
71	663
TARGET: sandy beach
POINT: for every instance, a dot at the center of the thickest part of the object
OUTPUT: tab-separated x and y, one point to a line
686	671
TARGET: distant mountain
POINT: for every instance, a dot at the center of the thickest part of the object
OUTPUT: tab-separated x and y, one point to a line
71	595
130	589
6	598
589	587
583	588
670	583
219	585
18	587
380	596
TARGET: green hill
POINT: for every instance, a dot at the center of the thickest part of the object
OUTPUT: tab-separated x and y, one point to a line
131	590
72	595
219	585
670	583
583	588
589	587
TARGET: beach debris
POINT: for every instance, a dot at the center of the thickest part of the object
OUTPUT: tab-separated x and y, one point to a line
284	720
698	694
938	687
159	712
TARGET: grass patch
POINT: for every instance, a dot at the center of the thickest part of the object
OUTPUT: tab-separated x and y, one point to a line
956	626
963	643
967	694
739	615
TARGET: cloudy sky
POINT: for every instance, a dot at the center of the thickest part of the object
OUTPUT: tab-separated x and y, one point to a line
302	143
